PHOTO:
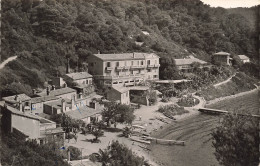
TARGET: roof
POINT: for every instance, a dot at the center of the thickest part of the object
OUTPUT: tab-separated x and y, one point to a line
222	53
19	113
243	57
85	111
188	61
120	89
79	75
84	162
57	92
143	88
20	97
43	99
171	81
51	131
57	103
125	56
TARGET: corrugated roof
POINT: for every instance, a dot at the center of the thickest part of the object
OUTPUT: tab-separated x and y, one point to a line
79	75
243	57
84	112
125	56
222	53
43	99
188	61
20	97
57	92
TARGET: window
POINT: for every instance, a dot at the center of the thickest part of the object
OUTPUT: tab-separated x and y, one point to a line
117	63
148	70
108	64
142	62
117	73
86	81
132	63
148	62
132	72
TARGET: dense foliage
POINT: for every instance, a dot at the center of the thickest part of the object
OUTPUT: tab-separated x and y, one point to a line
118	154
236	141
43	34
117	113
16	151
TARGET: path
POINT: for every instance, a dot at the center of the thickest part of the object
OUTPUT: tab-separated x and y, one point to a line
226	81
2	65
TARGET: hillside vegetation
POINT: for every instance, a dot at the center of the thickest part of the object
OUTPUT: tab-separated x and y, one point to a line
44	33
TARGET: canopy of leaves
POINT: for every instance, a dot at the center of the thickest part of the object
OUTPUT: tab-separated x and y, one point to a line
119	154
118	113
236	141
44	33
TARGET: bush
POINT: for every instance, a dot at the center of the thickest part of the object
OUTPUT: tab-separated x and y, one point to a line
172	110
75	153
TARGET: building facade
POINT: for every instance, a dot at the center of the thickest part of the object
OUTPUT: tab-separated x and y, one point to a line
32	126
81	78
126	69
185	65
222	58
120	94
244	59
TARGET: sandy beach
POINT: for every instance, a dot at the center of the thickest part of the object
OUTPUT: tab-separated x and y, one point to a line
193	128
146	117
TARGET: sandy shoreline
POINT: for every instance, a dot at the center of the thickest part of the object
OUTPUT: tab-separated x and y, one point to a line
146	116
192	112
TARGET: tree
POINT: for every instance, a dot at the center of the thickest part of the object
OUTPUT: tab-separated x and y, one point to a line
117	113
119	154
97	133
236	141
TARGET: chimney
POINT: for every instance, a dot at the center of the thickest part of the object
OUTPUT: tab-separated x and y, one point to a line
68	66
34	91
53	87
65	85
48	91
63	107
80	95
73	102
15	97
133	55
68	155
98	52
20	106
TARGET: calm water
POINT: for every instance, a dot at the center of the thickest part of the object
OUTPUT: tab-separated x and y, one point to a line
196	132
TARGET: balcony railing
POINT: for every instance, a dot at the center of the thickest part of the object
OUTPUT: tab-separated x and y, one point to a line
119	77
137	67
119	67
153	66
109	68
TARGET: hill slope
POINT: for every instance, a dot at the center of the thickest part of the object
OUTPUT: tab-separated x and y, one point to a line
44	33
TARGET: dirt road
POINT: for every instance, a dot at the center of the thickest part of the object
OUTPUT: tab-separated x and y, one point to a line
2	65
